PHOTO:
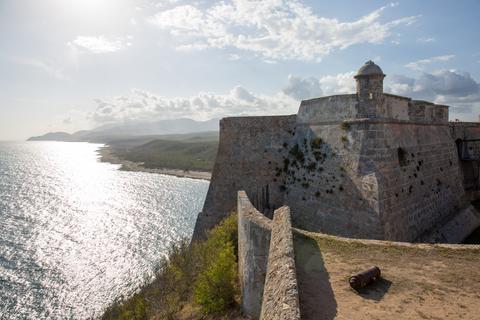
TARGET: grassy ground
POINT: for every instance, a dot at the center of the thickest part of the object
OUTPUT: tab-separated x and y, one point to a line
417	282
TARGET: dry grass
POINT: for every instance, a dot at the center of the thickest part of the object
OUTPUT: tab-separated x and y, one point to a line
424	282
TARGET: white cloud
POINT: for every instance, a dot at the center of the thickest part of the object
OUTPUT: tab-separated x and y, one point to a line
272	29
447	85
99	44
421	64
426	40
141	105
455	88
342	83
302	88
451	87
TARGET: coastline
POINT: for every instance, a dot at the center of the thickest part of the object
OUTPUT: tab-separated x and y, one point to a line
106	155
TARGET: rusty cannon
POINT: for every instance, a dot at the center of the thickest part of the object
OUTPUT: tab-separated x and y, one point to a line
363	278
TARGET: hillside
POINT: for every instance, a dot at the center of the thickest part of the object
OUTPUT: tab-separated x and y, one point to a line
190	155
184	155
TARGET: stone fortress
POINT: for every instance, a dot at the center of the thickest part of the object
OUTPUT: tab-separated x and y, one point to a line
366	165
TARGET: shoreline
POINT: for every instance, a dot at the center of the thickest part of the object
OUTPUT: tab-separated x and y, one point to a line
106	155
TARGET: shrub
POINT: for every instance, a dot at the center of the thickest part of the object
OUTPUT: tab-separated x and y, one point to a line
316	143
215	287
216	284
345	126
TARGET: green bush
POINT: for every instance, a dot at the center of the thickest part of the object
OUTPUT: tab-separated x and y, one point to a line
216	285
345	126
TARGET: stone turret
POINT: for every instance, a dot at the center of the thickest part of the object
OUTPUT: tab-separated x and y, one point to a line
370	90
370	81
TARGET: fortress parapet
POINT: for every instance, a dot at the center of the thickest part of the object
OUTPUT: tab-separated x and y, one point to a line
370	102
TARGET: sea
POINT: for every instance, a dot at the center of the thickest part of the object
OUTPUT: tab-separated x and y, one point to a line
77	234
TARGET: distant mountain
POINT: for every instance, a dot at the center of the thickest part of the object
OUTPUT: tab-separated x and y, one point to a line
108	133
53	136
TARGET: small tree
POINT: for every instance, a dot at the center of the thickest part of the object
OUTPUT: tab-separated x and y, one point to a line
216	284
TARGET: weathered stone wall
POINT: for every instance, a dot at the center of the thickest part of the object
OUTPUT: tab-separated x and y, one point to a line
419	177
327	186
425	111
280	295
327	109
254	231
454	231
378	179
248	153
397	107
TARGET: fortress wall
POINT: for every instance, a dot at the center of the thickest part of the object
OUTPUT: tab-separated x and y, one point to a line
465	130
397	107
280	296
247	158
327	109
419	177
455	230
428	112
331	190
254	231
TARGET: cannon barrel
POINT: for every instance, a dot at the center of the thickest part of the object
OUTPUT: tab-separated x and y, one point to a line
361	279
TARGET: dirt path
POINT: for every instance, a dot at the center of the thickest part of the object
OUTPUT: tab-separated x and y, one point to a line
417	283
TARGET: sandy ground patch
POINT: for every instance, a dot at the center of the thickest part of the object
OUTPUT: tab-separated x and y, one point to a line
417	283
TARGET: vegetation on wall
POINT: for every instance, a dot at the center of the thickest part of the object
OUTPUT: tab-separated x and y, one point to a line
201	277
345	126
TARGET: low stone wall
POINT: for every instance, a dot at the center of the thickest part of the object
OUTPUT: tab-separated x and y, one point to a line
253	245
266	263
455	230
280	296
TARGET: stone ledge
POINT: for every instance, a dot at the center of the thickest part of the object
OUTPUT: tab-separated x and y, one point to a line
280	297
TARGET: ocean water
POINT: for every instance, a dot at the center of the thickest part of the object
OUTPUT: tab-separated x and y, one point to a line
77	234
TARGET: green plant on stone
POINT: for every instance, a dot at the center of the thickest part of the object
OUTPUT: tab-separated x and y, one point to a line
345	126
316	143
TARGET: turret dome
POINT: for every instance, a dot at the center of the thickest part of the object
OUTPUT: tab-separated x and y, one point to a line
370	69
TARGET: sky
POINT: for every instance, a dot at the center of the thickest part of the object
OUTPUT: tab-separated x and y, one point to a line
67	65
